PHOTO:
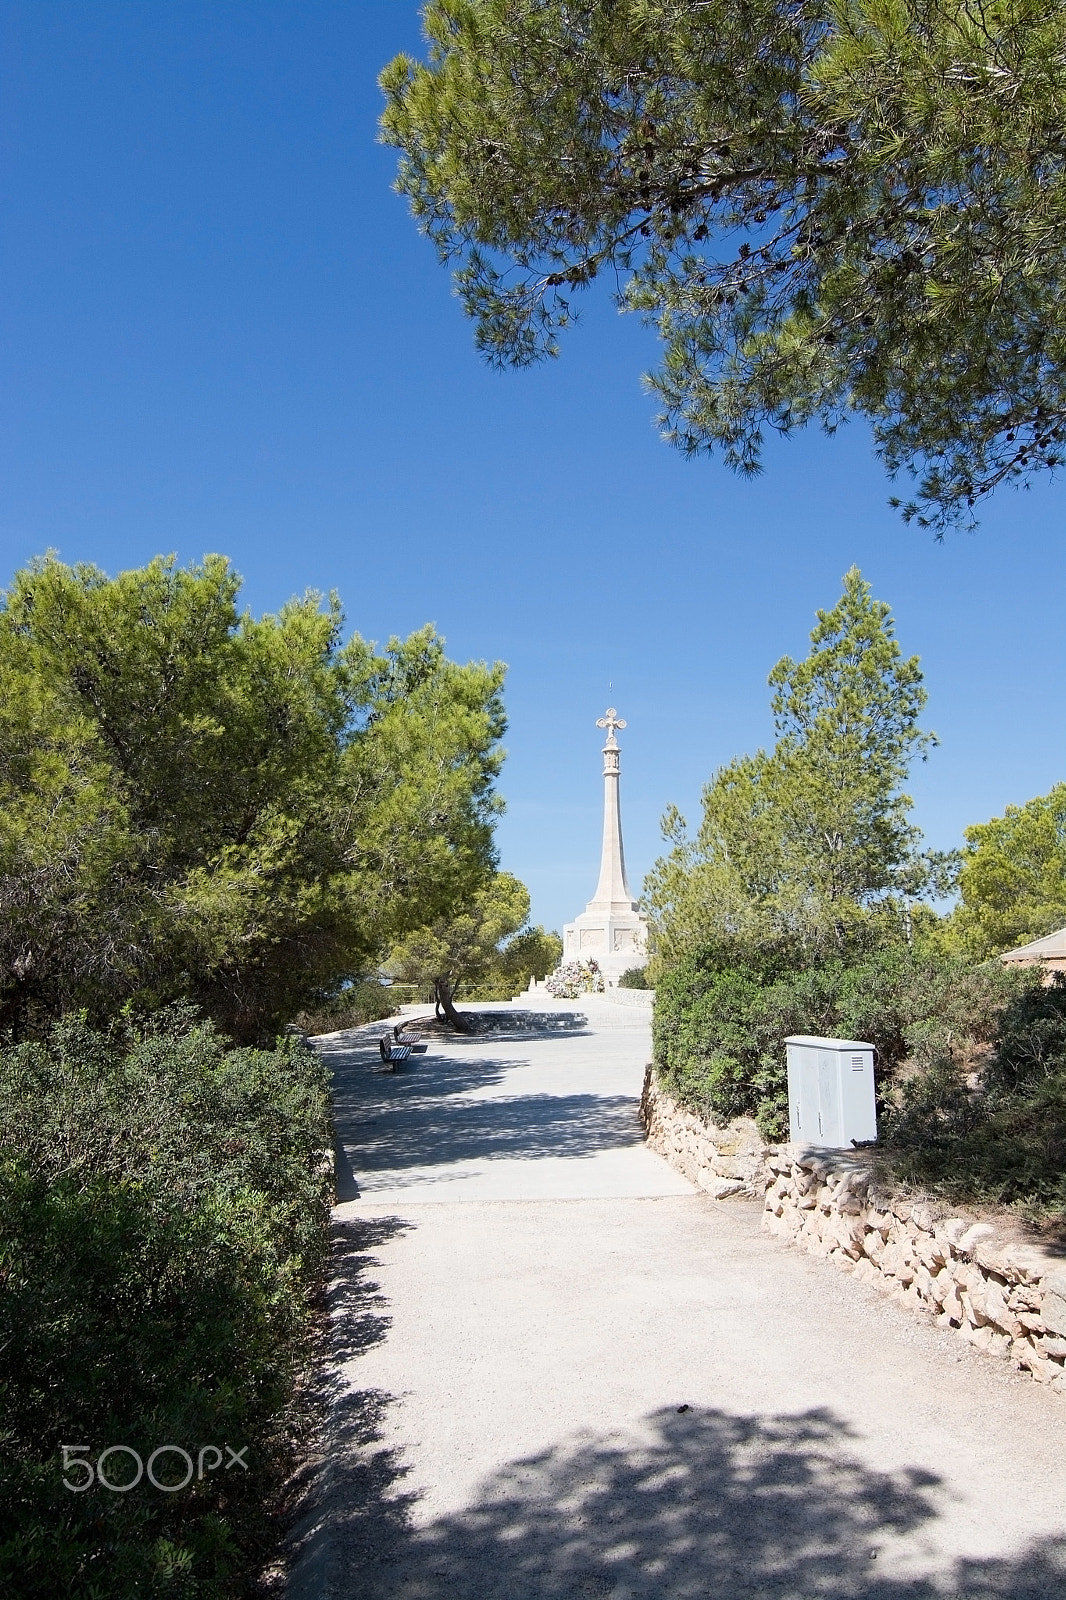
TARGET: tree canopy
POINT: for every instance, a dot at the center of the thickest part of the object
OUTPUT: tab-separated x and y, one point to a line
845	206
1012	878
457	949
810	845
195	802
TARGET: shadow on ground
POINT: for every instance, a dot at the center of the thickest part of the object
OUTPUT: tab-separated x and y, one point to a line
708	1505
713	1505
355	1304
526	1024
341	1462
426	1115
498	1025
360	1077
519	1127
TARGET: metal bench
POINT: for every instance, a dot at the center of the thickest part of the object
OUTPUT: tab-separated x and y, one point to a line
392	1051
403	1033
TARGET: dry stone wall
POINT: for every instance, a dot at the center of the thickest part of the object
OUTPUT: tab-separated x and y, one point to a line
723	1161
1005	1298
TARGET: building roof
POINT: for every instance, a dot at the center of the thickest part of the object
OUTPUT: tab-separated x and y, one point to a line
1052	947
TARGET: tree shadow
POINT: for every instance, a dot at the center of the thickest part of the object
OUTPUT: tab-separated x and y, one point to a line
692	1504
526	1024
355	1305
710	1504
513	1127
428	1114
345	1469
497	1025
360	1076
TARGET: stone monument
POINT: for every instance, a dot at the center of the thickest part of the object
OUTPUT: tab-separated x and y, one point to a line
610	930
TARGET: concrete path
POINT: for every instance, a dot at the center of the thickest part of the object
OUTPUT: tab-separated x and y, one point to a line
561	1372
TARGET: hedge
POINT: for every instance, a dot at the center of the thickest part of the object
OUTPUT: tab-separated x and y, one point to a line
970	1062
164	1205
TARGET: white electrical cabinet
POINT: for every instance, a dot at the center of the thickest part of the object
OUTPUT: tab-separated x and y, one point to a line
830	1091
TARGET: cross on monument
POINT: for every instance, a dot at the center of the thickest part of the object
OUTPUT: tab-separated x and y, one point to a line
611	721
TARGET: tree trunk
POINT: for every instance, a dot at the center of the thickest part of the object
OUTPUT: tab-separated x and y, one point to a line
442	1000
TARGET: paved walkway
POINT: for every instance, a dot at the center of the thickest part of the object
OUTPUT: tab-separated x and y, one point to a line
561	1372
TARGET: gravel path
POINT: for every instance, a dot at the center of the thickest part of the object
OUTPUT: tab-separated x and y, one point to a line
561	1372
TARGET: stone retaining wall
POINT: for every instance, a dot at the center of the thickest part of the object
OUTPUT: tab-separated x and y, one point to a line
644	998
724	1161
1007	1299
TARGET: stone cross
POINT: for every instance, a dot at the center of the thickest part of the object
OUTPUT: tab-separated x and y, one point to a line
611	721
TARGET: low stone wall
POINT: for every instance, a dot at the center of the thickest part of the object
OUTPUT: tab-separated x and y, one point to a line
642	998
1007	1299
645	998
724	1161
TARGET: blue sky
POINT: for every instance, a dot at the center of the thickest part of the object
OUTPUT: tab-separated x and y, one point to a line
221	331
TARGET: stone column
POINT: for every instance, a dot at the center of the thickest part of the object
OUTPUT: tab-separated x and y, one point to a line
613	893
610	930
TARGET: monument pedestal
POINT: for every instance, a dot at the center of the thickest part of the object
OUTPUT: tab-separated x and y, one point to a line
614	943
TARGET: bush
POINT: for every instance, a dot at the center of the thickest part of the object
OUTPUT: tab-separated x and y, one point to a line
998	1135
634	978
721	1020
164	1204
359	1003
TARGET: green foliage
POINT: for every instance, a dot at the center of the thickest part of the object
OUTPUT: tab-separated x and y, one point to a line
809	848
194	805
163	1217
485	951
530	953
195	802
1003	1138
856	206
635	978
847	724
1012	878
794	910
350	1007
461	949
721	1020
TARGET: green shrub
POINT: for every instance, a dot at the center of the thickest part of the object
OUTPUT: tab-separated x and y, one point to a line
164	1206
362	1002
718	1033
998	1135
721	1020
971	1060
634	978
